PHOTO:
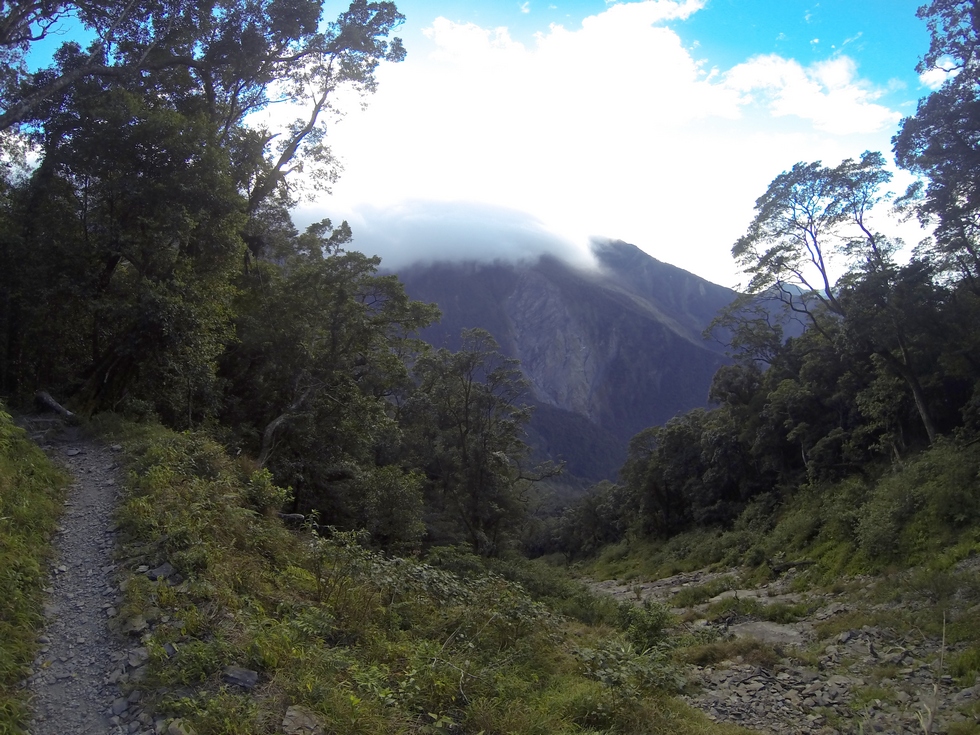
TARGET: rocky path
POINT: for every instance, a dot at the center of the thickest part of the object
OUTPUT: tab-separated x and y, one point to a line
867	679
76	682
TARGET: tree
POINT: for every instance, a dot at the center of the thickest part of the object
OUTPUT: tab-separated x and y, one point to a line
124	252
232	54
467	432
941	142
694	470
321	349
808	216
158	183
893	313
601	517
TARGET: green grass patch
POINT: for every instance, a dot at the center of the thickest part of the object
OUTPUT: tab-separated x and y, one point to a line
862	697
748	650
31	495
752	607
699	593
965	666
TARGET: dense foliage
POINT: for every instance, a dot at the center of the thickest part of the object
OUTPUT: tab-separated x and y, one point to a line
363	642
148	264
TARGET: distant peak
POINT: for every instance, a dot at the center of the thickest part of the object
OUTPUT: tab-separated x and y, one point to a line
617	247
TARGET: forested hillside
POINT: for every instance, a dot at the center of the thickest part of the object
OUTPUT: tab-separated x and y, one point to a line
148	266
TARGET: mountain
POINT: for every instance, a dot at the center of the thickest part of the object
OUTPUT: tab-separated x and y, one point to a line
609	350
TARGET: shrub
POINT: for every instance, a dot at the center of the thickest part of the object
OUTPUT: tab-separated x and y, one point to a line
646	625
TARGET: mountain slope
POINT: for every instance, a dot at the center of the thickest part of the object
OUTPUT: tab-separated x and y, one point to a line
616	348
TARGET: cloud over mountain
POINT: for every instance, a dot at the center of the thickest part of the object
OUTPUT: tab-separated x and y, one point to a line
428	231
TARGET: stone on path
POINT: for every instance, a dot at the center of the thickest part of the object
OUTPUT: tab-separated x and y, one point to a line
301	721
241	677
73	691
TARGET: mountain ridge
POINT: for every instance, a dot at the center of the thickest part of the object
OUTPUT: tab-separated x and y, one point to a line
618	345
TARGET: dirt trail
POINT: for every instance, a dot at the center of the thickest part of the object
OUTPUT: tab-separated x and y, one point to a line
74	685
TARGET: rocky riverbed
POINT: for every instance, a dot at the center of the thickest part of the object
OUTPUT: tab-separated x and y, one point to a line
825	673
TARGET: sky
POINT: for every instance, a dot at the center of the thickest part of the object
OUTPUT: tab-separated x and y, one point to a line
516	127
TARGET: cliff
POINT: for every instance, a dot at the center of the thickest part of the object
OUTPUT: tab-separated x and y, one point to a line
608	350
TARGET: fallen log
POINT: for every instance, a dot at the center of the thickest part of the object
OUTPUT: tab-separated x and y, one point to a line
45	401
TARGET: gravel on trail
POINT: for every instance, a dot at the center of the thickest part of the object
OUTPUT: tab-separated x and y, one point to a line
75	681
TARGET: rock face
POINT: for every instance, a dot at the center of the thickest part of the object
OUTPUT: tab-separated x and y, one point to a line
608	351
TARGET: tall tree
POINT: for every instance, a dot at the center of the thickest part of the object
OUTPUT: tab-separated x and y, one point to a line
811	238
158	181
941	142
322	342
808	217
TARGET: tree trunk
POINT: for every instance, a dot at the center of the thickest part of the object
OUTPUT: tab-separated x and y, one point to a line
269	434
906	373
108	383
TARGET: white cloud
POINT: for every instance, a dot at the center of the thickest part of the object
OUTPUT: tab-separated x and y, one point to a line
828	93
935	77
652	11
610	129
425	231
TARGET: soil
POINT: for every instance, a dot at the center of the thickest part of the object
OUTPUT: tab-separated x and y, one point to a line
75	682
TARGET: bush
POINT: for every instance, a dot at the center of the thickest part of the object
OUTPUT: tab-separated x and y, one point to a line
965	666
645	626
368	642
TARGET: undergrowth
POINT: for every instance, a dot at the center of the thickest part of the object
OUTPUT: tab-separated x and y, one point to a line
31	491
363	642
924	512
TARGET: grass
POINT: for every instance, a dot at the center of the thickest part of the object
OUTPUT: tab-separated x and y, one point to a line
925	513
697	594
31	494
751	607
899	545
862	697
364	642
965	666
746	650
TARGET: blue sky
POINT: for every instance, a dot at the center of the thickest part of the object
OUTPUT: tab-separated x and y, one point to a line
514	129
883	35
